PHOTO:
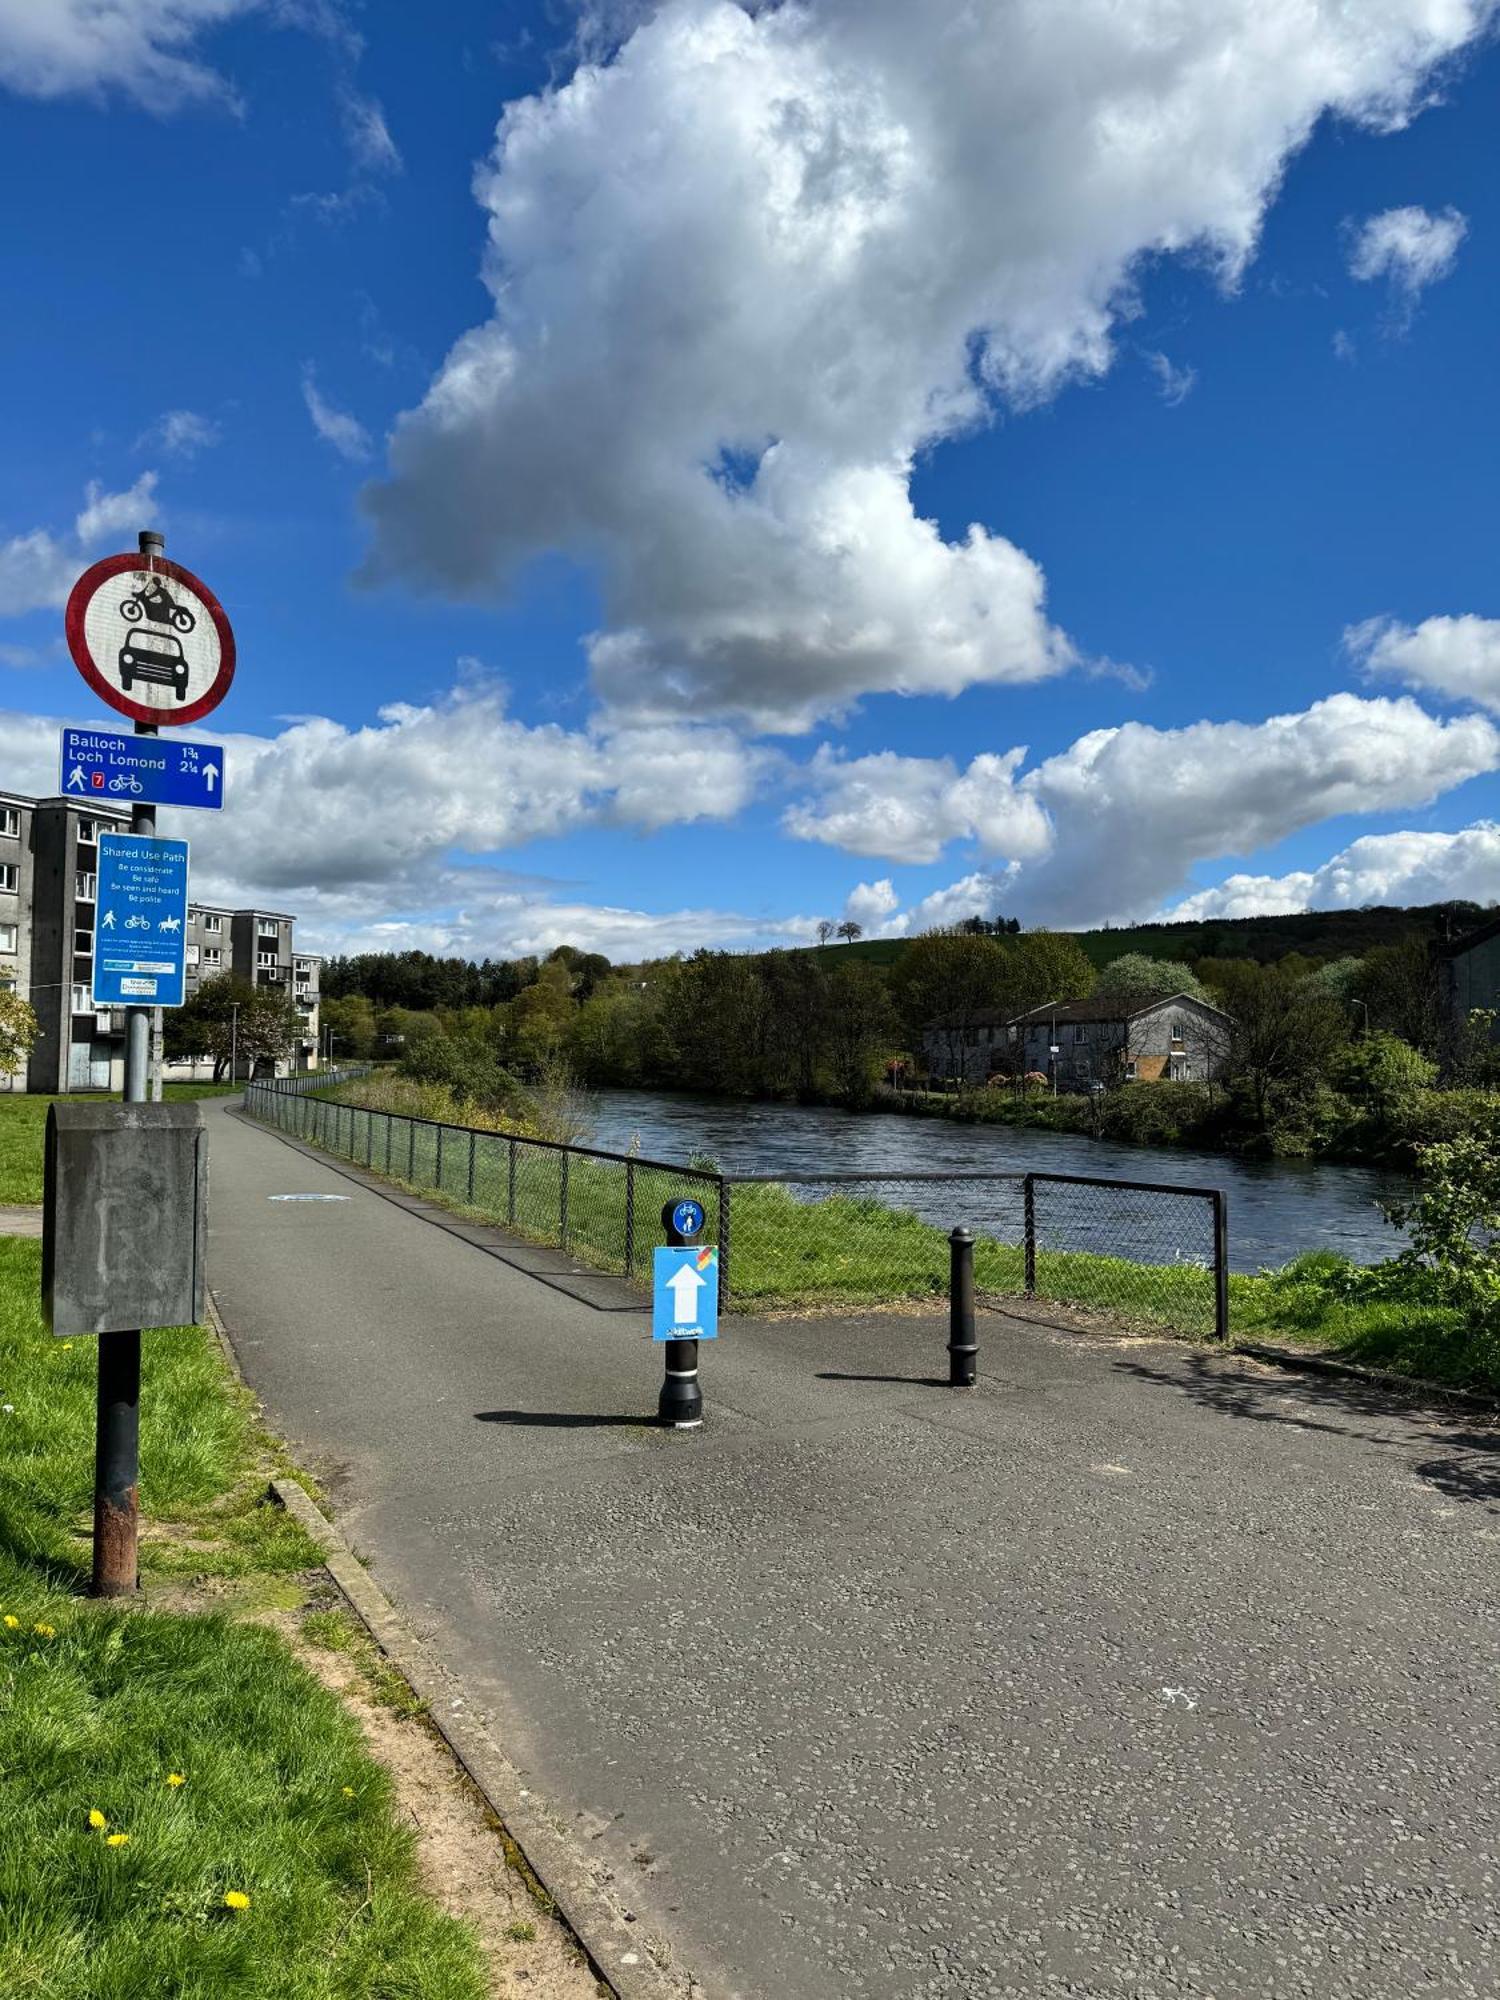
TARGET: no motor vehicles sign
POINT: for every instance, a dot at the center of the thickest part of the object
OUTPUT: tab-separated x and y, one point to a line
150	639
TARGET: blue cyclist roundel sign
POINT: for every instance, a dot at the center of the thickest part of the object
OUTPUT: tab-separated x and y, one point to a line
150	639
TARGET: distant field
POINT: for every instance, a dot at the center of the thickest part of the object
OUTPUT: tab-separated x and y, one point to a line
1315	933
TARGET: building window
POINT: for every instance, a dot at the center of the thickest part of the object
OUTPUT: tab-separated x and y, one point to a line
265	958
192	954
83	942
10	877
269	929
85	886
88	830
1130	1076
212	955
9	933
10	822
83	1000
213	925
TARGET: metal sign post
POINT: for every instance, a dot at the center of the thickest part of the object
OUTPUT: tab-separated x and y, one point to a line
685	1310
153	642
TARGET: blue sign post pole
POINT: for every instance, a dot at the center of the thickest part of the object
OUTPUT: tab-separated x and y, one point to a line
686	1310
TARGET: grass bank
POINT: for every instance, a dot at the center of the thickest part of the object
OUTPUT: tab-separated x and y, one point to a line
846	1251
23	1127
184	1809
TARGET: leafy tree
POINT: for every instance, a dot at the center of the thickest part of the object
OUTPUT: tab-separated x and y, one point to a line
352	1022
1399	985
1454	1231
540	1017
849	930
945	982
1383	1074
266	1030
861	1026
18	1030
1045	965
1285	1035
1136	980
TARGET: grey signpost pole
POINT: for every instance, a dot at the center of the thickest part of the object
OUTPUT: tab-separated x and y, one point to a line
118	1416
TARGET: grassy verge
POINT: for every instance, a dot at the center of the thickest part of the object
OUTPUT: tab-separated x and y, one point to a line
23	1127
184	1809
848	1252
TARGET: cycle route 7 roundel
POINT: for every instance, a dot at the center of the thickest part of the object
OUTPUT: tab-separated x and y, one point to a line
150	639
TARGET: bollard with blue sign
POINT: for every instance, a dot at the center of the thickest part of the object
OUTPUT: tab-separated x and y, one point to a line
685	1310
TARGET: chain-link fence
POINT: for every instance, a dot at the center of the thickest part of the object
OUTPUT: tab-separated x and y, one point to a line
603	1209
1133	1252
1129	1252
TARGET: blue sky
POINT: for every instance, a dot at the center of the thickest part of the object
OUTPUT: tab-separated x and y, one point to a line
659	623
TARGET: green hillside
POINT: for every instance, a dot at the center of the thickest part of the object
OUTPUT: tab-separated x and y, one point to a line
1313	933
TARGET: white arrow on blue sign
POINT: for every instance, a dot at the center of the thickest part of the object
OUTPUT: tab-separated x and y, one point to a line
685	1300
107	768
140	926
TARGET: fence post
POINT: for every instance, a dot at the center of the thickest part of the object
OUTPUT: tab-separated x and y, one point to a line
630	1218
680	1404
472	1141
963	1336
1221	1265
438	1181
510	1186
723	1244
1028	1206
562	1203
369	1138
388	1144
411	1152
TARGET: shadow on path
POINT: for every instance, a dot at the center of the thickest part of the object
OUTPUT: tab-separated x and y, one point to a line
906	1381
564	1419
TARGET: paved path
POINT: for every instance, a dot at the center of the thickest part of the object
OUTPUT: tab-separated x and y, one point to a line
1134	1672
20	1221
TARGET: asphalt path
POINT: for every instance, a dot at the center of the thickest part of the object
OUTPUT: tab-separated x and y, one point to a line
1135	1671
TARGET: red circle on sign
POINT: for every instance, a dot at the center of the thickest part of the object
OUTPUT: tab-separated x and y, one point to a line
82	595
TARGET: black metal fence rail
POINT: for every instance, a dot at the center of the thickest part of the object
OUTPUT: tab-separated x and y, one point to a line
1142	1252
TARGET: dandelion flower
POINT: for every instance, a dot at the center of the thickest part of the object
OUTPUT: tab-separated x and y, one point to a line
97	1820
348	1791
66	1345
12	1622
115	1839
45	1631
236	1899
175	1778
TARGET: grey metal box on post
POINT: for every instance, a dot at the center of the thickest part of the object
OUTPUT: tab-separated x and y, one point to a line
124	1225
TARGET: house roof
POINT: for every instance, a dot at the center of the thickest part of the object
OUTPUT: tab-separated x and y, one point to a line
1110	1010
1456	947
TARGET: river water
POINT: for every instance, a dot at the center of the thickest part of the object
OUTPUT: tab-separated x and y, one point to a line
1277	1208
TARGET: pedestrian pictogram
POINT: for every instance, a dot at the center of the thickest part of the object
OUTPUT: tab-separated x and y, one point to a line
150	638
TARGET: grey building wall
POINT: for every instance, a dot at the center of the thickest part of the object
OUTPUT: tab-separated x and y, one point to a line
1470	978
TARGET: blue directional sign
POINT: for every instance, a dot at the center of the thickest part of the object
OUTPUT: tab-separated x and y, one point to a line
687	1218
111	769
685	1302
140	934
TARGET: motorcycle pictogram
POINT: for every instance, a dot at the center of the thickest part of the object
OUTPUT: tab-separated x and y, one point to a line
153	601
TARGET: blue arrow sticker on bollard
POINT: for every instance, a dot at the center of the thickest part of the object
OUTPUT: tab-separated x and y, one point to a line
687	1218
685	1295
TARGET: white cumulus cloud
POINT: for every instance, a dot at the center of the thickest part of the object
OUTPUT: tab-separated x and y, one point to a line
1115	823
747	269
1456	657
145	49
38	569
1382	868
1411	247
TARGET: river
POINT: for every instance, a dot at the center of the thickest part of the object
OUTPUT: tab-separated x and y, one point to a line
1277	1208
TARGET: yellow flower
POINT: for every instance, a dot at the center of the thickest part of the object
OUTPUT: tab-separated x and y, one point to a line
176	1778
236	1899
115	1839
66	1345
97	1819
348	1791
45	1631
12	1622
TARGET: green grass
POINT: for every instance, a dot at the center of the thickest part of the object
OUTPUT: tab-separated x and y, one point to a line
23	1128
99	1705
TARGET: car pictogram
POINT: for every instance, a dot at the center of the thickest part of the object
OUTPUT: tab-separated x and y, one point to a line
148	655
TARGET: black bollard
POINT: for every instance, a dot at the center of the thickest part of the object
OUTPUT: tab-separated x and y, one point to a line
680	1405
963	1338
